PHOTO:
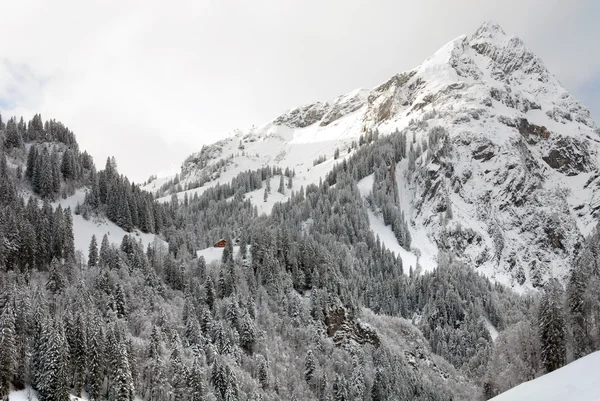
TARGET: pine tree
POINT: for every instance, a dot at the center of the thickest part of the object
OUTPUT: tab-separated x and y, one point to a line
79	355
579	326
552	327
309	366
340	389
8	357
195	383
95	369
263	374
53	383
218	379
93	252
120	303
13	136
123	382
104	256
281	189
227	256
210	293
247	334
31	162
379	390
68	240
56	282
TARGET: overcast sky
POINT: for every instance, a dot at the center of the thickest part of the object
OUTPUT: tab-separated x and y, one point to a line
151	81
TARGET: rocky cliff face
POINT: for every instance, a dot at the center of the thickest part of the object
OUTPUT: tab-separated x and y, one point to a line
506	170
508	183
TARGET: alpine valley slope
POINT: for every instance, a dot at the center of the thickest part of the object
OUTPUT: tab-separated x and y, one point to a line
516	163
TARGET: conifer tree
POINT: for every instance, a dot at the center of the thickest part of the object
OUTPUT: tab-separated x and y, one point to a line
56	282
93	252
309	366
340	389
378	390
8	356
263	373
13	136
79	355
53	383
104	256
552	327
281	189
68	240
123	381
195	383
95	369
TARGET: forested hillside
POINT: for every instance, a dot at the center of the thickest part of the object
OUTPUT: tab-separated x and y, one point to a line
311	307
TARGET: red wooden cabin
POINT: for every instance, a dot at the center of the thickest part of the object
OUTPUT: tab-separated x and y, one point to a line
221	244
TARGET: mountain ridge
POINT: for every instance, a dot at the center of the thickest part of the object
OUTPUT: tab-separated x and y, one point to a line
514	140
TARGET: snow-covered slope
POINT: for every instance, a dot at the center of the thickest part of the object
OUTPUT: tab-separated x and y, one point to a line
578	381
84	229
496	138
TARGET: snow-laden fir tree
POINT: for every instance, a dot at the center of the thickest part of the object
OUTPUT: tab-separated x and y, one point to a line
8	357
281	188
552	326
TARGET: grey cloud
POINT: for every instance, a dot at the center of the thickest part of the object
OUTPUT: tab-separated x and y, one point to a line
133	76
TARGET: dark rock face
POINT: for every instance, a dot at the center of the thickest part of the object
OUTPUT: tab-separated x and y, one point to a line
303	116
387	99
323	113
483	153
531	132
346	329
568	156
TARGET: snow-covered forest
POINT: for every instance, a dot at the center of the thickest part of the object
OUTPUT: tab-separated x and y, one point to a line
308	305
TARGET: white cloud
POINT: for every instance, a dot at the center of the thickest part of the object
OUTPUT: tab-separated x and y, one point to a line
150	82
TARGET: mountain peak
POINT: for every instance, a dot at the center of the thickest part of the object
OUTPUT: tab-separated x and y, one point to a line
489	29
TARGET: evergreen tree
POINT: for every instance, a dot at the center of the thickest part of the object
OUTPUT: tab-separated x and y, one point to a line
281	189
378	390
56	281
340	389
579	326
552	327
195	383
247	334
123	381
79	355
93	252
104	256
53	383
13	136
263	373
8	357
95	369
68	240
309	366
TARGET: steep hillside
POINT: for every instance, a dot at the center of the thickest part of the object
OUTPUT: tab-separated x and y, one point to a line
502	164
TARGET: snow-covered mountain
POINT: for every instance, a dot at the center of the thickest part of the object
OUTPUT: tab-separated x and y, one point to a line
498	141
